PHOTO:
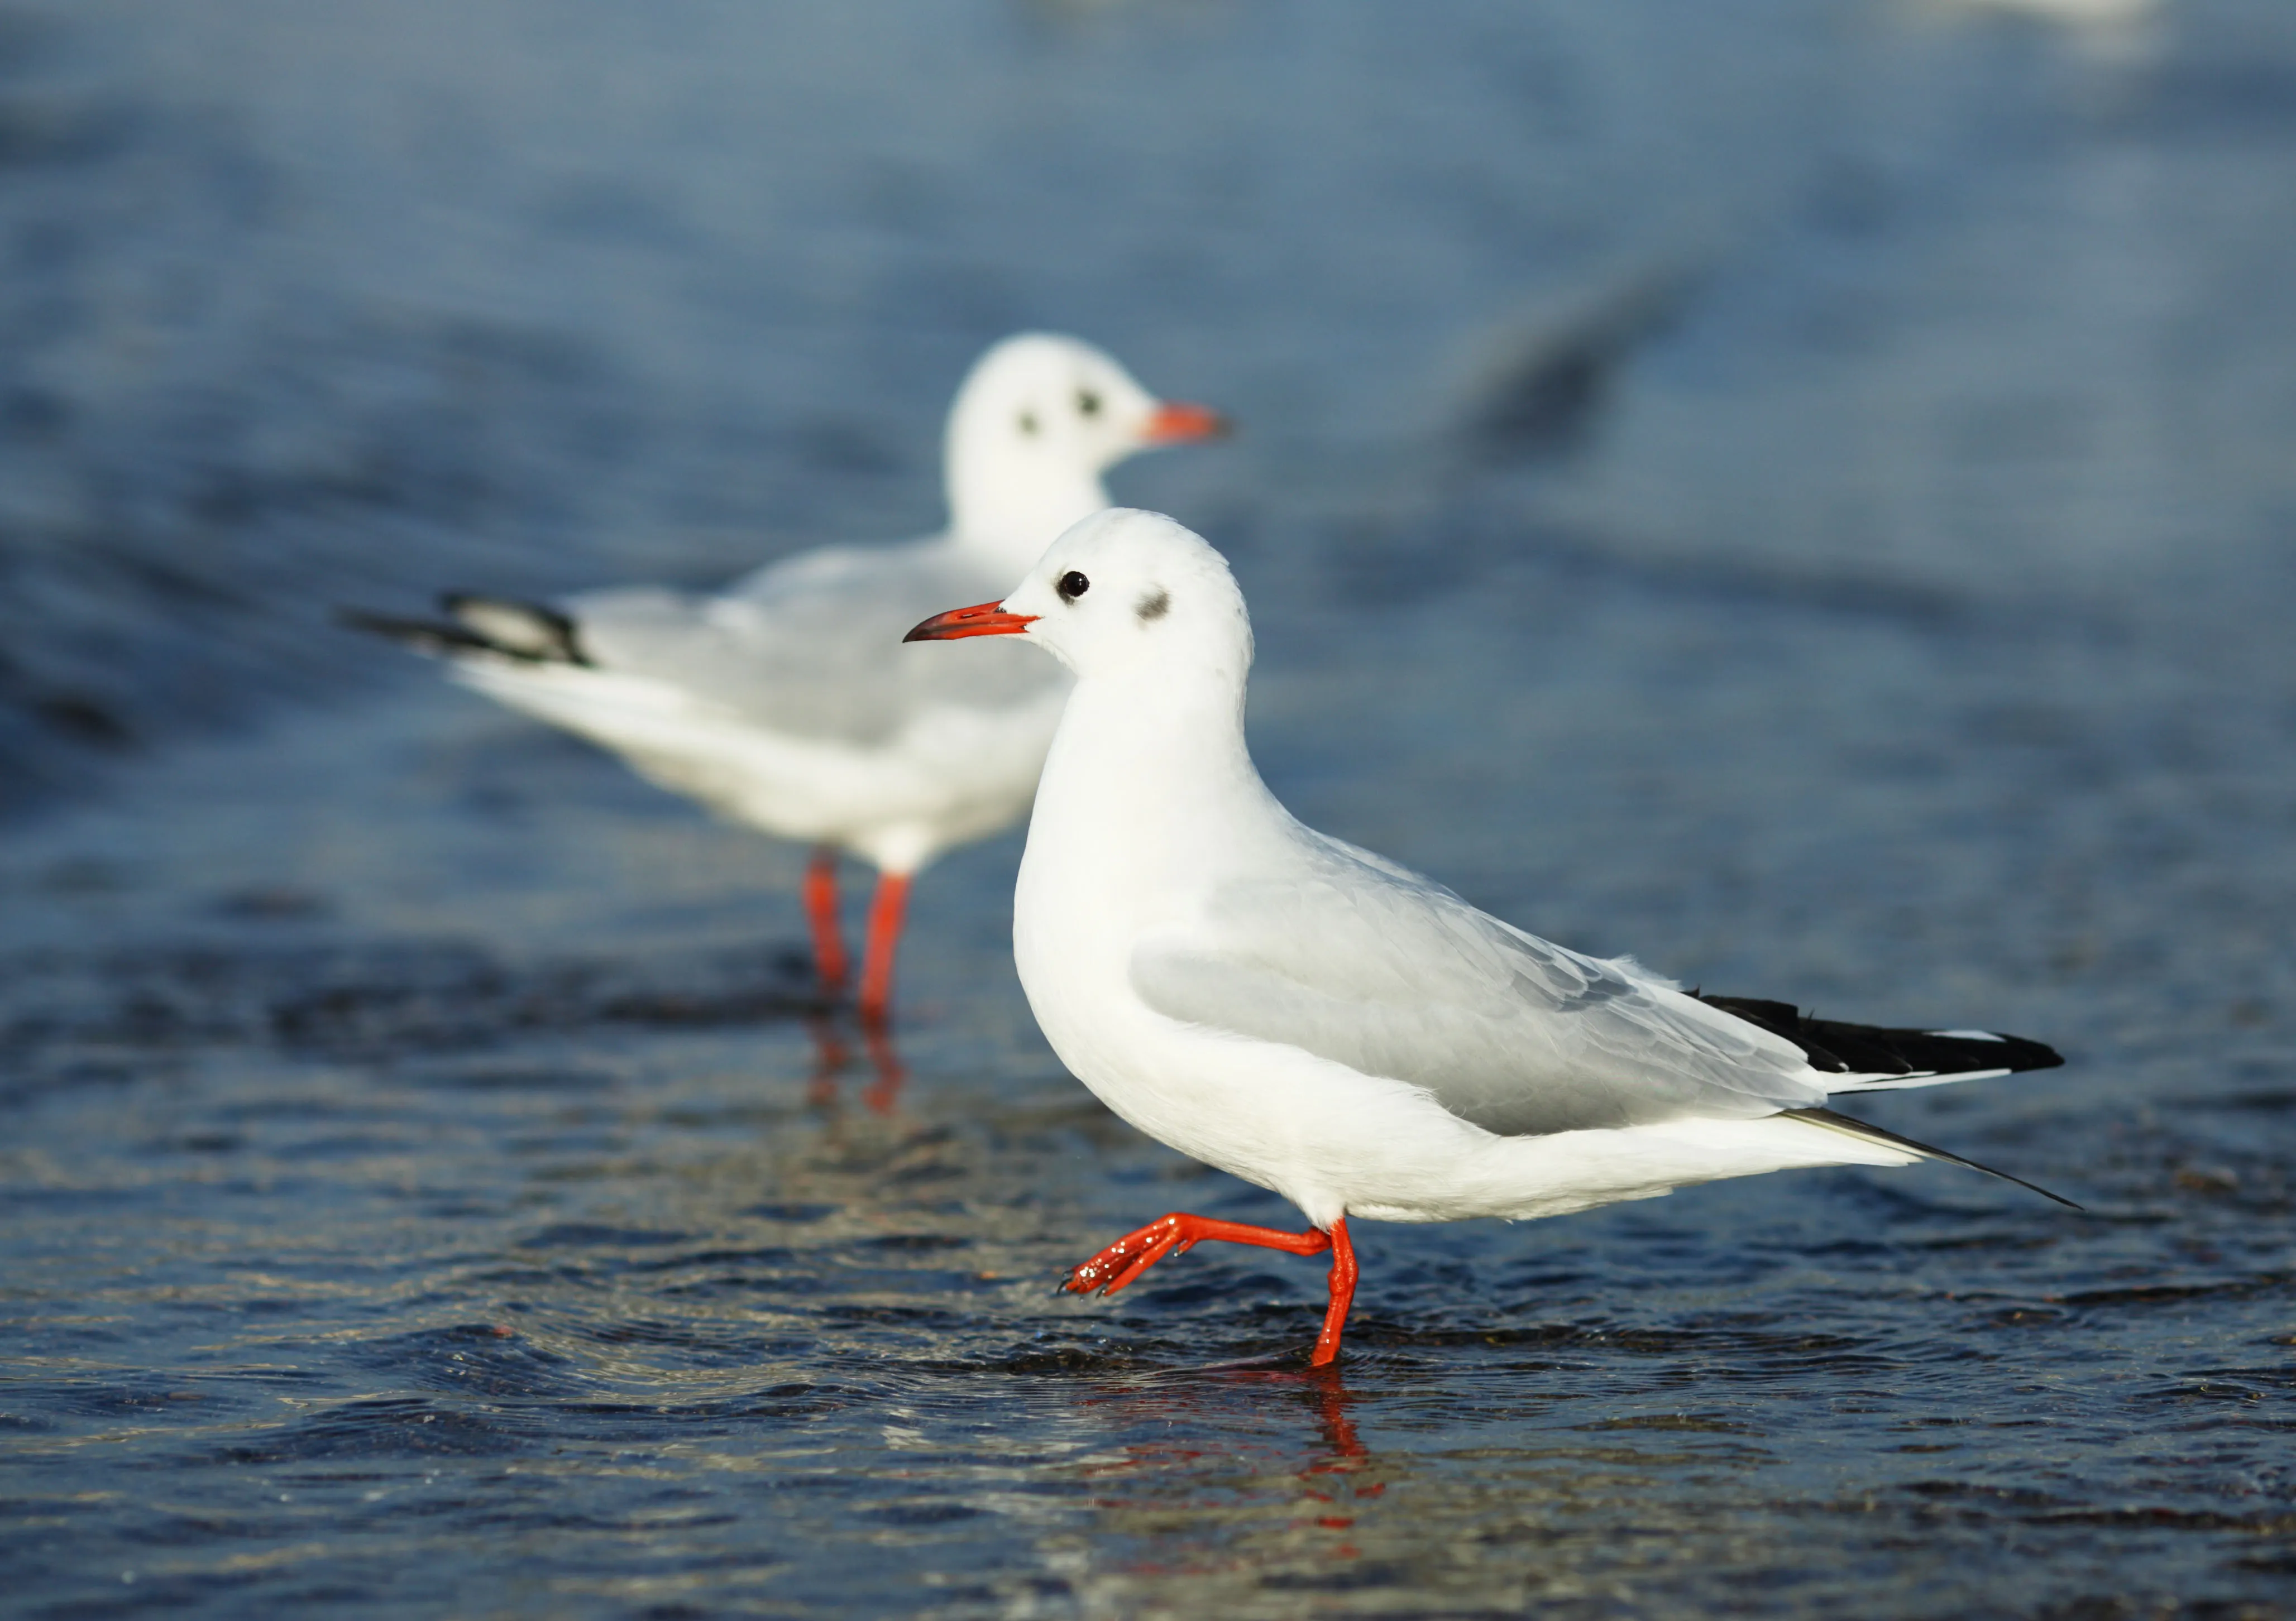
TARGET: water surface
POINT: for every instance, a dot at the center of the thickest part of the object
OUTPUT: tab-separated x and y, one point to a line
1801	496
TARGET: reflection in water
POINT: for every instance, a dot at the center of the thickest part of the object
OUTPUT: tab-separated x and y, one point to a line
1268	1453
1331	1397
1336	1479
833	1055
1909	615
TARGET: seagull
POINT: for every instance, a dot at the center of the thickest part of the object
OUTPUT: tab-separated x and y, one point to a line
784	702
1326	1023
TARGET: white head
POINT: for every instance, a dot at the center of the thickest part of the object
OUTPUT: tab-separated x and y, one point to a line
1124	594
1039	418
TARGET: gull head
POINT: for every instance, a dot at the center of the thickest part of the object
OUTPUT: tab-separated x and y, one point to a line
1037	421
1123	592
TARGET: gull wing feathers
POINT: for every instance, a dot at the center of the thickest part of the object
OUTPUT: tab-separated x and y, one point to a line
812	648
1358	961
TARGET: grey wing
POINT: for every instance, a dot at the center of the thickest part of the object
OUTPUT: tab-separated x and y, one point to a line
1357	961
812	646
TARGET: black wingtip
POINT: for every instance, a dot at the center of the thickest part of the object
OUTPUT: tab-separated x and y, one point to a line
532	631
423	636
523	632
1839	1048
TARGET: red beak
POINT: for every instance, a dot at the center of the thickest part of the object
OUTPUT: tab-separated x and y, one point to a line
981	619
1176	424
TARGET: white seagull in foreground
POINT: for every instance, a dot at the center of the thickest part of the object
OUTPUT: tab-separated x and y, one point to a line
786	701
1318	1020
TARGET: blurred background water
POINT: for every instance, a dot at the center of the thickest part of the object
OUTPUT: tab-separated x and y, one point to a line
1800	490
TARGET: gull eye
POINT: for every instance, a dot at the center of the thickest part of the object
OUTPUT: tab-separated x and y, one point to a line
1029	423
1087	402
1072	585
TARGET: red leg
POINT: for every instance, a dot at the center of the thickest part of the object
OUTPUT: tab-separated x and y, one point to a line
821	911
1343	1294
1135	1252
877	956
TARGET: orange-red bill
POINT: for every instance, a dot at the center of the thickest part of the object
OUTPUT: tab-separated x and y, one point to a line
1175	424
980	620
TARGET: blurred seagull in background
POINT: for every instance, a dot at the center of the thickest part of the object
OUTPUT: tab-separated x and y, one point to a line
786	701
1320	1021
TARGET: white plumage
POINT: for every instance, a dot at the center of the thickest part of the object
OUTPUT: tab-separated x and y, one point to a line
1325	1023
787	701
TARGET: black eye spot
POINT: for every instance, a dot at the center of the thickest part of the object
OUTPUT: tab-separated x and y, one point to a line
1155	606
1087	402
1029	423
1072	585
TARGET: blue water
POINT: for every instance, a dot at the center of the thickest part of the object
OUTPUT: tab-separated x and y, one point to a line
1801	492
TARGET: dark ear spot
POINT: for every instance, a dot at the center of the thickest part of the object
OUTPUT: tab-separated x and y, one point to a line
1029	423
1154	606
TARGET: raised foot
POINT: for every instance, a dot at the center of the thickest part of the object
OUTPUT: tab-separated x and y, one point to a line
1131	1256
1136	1251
